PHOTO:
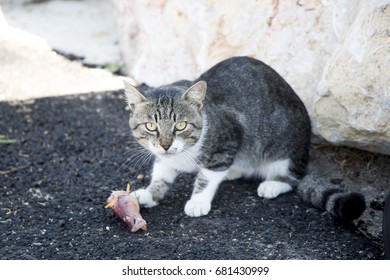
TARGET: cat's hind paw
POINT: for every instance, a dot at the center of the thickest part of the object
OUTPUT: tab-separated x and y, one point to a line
145	198
196	208
272	189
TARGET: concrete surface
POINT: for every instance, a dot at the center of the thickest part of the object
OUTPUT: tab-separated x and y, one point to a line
29	68
84	28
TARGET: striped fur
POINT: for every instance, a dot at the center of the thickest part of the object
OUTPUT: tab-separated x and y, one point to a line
345	206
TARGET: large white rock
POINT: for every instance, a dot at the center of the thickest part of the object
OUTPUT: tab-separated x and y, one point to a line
334	53
353	105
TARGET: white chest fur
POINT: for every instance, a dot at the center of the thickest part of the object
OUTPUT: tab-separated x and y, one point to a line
185	161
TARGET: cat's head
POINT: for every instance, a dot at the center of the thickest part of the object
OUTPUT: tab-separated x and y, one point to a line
169	121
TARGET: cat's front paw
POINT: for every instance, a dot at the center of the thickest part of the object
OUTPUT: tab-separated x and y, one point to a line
196	208
271	189
144	197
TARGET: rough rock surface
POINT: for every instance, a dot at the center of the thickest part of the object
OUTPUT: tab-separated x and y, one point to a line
333	53
353	105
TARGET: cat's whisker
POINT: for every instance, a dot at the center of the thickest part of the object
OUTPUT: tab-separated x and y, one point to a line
125	164
193	159
202	145
146	159
140	160
134	157
135	153
197	159
133	150
185	160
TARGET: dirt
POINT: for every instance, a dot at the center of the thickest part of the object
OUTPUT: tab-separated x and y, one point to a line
61	158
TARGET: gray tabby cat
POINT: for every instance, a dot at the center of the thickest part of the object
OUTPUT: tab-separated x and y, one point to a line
239	119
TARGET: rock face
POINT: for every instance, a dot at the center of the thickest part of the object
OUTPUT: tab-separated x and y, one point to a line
335	54
353	99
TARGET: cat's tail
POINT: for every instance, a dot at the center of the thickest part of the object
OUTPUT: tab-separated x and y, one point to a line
345	206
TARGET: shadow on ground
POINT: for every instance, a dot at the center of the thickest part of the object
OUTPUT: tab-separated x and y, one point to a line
70	154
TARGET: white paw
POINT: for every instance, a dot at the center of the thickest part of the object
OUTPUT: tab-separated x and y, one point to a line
271	189
196	208
144	197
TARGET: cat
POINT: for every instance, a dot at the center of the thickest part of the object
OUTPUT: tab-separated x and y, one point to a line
239	119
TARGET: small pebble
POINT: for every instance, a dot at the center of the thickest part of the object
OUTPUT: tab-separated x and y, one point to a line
140	176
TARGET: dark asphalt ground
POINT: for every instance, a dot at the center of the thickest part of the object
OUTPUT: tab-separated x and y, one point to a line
56	178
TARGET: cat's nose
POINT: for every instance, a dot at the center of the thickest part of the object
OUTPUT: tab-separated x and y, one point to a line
166	147
165	142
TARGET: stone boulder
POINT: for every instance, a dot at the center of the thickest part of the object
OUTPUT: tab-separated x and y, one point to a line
352	105
335	54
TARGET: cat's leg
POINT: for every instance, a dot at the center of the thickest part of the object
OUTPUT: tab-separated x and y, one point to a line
278	179
206	184
234	174
162	177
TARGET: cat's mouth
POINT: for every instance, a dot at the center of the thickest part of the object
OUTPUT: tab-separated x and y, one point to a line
165	154
169	153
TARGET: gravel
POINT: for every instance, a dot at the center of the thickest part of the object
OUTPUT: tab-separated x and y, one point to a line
70	153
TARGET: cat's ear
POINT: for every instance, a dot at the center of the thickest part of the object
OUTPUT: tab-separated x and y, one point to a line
196	94
133	96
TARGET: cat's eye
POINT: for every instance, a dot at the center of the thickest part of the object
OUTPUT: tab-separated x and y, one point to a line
180	126
151	126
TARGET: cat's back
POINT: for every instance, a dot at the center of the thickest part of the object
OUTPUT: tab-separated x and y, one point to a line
244	81
246	93
232	68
